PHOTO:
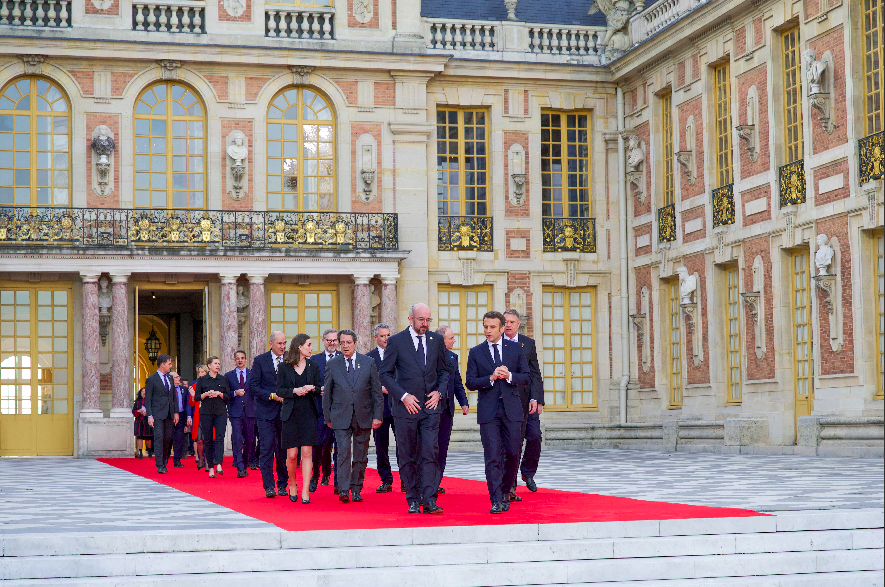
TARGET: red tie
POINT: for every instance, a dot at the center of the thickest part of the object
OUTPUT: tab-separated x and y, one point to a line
242	383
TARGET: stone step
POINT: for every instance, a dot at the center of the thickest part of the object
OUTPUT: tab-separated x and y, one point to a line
639	571
849	579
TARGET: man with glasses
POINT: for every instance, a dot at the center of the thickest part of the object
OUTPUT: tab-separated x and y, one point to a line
322	452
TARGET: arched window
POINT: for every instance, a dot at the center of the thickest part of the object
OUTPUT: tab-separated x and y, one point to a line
300	152
170	147
35	144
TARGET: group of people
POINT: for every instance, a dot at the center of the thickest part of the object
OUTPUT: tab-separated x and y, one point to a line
296	408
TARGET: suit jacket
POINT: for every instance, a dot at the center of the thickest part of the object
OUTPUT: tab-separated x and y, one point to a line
158	400
401	373
480	367
454	387
185	395
286	383
240	406
535	391
262	382
320	360
343	400
376	354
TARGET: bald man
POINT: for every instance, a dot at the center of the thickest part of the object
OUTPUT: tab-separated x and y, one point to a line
263	386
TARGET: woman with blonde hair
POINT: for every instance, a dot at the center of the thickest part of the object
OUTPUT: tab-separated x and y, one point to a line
196	434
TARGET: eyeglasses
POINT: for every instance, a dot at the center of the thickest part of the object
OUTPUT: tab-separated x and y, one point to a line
423	320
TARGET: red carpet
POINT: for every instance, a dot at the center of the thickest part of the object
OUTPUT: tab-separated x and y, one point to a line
466	503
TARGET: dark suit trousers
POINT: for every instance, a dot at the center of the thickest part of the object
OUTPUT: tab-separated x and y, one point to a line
163	431
213	449
242	430
322	453
269	436
178	442
382	448
532	453
254	444
501	442
417	452
351	478
445	434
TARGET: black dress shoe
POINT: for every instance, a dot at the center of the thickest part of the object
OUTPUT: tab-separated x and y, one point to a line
530	484
254	466
414	508
496	508
270	492
430	507
178	465
384	488
313	485
282	491
514	497
440	490
505	506
293	497
356	496
325	481
344	497
162	470
336	491
242	473
305	501
402	486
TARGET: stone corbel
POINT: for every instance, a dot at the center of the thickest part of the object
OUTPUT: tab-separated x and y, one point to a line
636	165
367	168
301	74
640	321
33	63
749	133
755	301
170	69
830	285
636	179
821	103
820	87
690	310
686	157
516	158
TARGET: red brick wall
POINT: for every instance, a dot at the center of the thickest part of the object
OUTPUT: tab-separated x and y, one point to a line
834	42
85	79
680	74
812	8
352	22
357	205
393	14
510	139
740	41
219	82
228	125
245	17
112	121
522	280
763	191
254	86
113	9
643	279
841	362
641	231
119	81
696	67
758	76
829	171
758	32
759	368
694	214
511	234
348	88
642	131
692	108
385	93
700	374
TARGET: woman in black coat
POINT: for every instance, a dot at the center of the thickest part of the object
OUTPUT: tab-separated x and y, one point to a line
144	433
298	384
213	393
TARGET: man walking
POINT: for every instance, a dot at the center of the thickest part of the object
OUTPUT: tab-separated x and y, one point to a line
454	388
241	412
322	452
179	403
262	382
159	403
352	406
381	333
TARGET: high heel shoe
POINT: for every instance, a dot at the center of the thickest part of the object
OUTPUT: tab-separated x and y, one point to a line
218	469
293	498
212	473
305	501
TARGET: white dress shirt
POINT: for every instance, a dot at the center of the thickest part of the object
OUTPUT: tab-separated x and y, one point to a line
500	345
381	353
514	339
415	337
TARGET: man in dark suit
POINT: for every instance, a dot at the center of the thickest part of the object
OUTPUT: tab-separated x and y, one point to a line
381	333
454	388
352	406
532	397
322	453
179	403
262	383
496	369
415	372
241	411
159	405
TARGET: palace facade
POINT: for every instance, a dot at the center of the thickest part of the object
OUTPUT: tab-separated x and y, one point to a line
683	198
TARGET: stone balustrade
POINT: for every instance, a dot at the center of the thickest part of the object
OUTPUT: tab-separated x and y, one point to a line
169	17
35	13
295	22
647	22
462	36
564	41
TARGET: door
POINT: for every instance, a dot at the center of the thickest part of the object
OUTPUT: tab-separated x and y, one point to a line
803	355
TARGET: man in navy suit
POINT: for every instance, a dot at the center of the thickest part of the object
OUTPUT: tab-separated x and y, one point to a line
496	369
454	388
415	372
241	411
382	433
179	403
162	416
262	383
322	453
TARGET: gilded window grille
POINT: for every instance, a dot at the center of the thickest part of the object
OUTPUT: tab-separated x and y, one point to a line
871	157
462	161
733	331
565	165
791	183
723	206
722	81
667	223
674	313
562	235
464	233
874	64
792	84
667	149
568	341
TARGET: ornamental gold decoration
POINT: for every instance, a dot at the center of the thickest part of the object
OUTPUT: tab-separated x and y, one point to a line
723	206
667	224
871	151
569	235
791	181
464	233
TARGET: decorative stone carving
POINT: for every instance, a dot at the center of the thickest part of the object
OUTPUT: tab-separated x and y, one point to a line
103	147
510	5
235	8
362	10
747	133
690	303
636	166
571	273
102	4
830	284
518	301
817	74
824	256
105	301
516	156
617	16
755	301
33	63
367	168
814	71
688	285
242	313
300	74
237	153
642	335
686	156
467	266
170	69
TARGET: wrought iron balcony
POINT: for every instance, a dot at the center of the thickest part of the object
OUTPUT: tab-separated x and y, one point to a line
667	223
723	205
464	233
119	228
791	183
871	157
564	235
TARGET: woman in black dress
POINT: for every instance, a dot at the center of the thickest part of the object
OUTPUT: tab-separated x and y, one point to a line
213	393
144	433
298	383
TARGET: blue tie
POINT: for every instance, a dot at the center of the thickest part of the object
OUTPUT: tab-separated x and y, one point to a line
422	360
497	355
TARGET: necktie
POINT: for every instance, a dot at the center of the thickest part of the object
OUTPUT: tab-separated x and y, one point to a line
422	360
349	365
166	382
242	381
497	355
276	364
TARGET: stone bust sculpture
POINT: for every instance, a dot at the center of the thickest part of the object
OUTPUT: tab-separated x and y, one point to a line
688	285
635	156
237	150
814	70
824	256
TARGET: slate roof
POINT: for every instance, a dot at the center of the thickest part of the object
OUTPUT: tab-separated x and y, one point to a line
563	12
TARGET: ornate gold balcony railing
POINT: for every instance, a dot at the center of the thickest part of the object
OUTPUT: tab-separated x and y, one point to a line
667	223
563	235
791	183
871	157
119	228
723	205
464	233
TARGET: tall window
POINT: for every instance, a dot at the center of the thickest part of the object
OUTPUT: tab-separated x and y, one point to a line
792	96
803	365
674	311
462	162
35	146
874	64
565	165
568	323
722	80
667	148
733	331
880	313
300	152
311	310
170	147
461	309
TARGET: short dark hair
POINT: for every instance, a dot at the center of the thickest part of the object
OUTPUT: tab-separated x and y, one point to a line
348	332
494	314
513	312
162	359
241	351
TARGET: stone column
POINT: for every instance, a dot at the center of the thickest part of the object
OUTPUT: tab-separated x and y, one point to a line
388	302
121	347
91	341
229	333
257	319
362	312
